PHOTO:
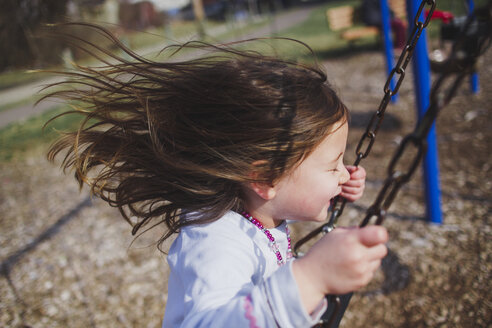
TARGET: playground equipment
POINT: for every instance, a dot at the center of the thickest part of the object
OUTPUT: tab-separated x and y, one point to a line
449	30
341	19
422	67
458	65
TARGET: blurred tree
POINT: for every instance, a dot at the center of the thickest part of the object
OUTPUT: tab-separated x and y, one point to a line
19	23
199	13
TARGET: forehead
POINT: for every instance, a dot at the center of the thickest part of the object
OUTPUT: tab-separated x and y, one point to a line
333	144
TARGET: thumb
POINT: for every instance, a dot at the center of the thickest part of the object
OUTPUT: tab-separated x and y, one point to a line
351	168
373	235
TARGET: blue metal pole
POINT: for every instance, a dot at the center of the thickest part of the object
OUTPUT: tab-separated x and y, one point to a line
388	43
475	86
421	69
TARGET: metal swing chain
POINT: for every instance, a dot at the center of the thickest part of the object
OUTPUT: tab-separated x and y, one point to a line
369	136
461	62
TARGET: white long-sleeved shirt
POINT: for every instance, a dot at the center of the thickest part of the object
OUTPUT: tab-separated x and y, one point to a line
224	274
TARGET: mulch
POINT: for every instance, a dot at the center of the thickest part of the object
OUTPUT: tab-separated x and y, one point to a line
69	261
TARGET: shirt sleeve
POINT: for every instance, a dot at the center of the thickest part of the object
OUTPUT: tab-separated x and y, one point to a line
220	292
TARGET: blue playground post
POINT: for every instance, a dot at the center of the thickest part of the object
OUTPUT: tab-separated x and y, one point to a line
475	86
421	68
388	43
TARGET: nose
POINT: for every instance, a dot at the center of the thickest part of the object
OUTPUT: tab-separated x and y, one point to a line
344	176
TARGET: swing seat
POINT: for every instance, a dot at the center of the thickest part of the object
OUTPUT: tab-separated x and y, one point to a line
360	33
398	7
341	19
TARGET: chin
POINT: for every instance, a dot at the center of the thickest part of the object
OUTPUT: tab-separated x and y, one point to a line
319	219
323	216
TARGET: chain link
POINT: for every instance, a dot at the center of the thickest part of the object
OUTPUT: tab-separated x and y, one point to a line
399	70
368	138
461	62
439	98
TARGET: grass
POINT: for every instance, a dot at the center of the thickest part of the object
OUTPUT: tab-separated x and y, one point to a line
23	102
136	40
172	33
18	138
324	42
316	34
15	78
181	32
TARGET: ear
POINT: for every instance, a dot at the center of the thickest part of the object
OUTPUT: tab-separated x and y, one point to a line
265	190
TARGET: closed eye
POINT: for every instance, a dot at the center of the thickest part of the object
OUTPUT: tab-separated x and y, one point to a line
340	156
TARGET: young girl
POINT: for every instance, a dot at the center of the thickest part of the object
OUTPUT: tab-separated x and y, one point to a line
224	150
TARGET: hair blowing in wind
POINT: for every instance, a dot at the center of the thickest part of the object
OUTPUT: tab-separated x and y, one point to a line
164	138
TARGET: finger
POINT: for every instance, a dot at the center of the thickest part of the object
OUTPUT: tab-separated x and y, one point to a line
351	197
351	168
373	235
352	194
355	181
356	172
359	174
372	266
377	252
353	185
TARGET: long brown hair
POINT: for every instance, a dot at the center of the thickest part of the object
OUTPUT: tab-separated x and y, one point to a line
166	138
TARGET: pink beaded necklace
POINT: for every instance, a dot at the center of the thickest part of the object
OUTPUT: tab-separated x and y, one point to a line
273	244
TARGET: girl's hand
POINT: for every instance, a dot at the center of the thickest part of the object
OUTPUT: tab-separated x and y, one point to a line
342	261
354	188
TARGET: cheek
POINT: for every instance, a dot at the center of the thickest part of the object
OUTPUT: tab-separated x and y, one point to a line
327	188
321	196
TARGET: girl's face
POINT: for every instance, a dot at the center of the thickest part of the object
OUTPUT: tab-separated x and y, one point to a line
306	192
